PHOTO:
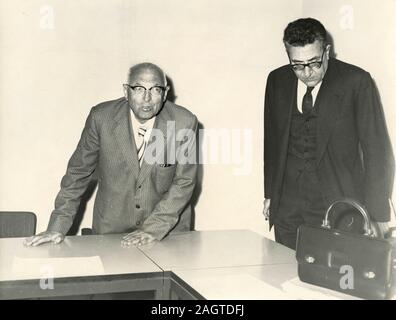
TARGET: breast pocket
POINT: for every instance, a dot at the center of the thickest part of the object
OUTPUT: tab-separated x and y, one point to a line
164	177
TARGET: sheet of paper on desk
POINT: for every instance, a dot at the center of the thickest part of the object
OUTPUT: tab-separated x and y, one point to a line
36	268
238	287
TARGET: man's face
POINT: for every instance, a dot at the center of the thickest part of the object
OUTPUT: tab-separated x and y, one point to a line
146	103
310	54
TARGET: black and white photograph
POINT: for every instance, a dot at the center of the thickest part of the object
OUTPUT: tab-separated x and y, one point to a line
197	150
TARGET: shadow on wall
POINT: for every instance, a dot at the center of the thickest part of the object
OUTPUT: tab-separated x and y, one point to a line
330	40
391	159
200	174
93	184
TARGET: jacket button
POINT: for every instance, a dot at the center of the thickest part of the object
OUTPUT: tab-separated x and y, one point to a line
137	206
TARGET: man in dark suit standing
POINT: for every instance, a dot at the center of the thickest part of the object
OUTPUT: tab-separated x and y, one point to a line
325	136
142	147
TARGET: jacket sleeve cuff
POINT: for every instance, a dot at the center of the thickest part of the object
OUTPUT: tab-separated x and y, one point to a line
56	224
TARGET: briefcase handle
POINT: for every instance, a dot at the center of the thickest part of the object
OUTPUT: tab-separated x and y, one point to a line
367	223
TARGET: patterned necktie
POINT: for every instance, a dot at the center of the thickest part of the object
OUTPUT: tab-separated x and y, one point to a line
307	103
141	146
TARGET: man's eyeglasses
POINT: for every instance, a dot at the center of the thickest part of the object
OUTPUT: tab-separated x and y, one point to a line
311	65
155	90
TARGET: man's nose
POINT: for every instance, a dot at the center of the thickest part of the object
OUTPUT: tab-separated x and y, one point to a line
147	95
307	72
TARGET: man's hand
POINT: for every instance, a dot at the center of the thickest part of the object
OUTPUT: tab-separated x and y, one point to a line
382	228
137	238
44	237
266	211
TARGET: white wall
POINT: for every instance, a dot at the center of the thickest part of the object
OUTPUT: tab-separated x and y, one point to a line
218	54
52	72
364	34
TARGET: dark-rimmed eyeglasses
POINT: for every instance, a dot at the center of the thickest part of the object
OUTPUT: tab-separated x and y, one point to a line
154	90
311	65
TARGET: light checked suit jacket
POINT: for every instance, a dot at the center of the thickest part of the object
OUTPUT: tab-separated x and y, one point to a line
154	198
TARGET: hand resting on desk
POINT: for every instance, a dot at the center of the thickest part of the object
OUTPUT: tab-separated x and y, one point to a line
138	238
44	237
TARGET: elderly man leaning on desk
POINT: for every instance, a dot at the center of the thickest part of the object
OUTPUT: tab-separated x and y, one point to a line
143	150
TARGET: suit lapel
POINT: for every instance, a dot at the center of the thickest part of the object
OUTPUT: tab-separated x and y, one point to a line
160	124
124	137
328	100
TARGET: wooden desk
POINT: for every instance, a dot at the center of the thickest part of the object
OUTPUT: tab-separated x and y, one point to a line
80	265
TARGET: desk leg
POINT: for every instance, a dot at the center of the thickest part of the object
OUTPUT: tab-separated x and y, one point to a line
177	289
166	288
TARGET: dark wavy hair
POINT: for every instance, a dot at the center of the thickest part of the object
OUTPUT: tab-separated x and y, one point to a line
304	31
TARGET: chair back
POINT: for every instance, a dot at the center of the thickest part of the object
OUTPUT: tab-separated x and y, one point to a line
15	224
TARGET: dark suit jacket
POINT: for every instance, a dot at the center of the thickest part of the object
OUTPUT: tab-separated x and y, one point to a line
154	198
354	154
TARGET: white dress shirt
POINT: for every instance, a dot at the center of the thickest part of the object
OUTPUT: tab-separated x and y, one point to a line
302	89
148	125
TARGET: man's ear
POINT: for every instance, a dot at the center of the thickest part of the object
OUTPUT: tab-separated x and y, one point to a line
125	91
166	93
328	48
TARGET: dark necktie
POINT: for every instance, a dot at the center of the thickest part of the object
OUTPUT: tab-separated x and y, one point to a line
307	103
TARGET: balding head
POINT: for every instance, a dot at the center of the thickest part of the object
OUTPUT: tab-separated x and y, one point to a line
149	69
146	90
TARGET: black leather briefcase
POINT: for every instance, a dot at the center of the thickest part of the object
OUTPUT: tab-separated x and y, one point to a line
361	265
